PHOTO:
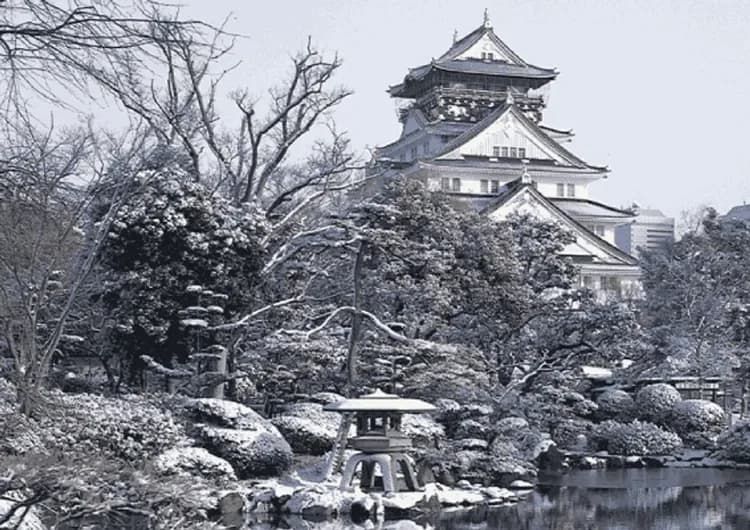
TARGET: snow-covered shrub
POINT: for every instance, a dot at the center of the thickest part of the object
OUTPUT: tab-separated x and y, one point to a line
128	427
616	405
697	421
569	433
252	453
471	428
550	405
518	432
734	444
193	461
638	438
423	430
654	402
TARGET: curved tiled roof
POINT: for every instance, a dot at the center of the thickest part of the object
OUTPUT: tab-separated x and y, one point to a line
587	207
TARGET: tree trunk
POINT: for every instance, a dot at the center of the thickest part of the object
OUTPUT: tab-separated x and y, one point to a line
351	357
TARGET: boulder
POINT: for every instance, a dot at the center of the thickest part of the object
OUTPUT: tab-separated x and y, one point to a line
252	453
308	428
30	521
193	461
305	435
316	503
225	413
326	398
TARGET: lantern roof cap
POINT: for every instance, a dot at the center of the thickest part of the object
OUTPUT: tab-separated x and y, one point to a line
379	401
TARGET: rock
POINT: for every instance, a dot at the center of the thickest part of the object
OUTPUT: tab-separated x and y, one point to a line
592	462
634	462
326	398
252	453
226	413
305	435
551	459
31	521
471	444
464	485
193	461
493	492
316	504
521	485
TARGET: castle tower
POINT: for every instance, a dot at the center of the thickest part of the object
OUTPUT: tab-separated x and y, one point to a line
472	125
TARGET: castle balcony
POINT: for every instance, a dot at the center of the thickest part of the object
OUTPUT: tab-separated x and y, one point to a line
442	95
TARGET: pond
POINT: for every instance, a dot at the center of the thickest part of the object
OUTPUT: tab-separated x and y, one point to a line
663	499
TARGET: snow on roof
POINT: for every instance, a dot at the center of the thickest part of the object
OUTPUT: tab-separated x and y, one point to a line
380	401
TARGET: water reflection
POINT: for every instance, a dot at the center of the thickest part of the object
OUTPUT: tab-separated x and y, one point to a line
676	499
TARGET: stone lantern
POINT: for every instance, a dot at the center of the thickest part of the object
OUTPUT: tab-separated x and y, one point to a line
380	439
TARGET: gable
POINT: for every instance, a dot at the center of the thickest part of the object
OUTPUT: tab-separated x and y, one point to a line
510	131
415	121
486	45
586	245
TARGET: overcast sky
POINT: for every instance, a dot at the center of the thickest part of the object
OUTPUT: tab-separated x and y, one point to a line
658	90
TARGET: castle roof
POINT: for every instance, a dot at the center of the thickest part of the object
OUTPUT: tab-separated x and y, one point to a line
606	250
460	58
532	128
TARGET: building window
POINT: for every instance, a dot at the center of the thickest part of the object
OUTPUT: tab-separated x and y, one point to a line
521	152
413	153
484	186
560	190
445	184
505	152
488	56
496	151
599	230
513	152
611	284
588	282
571	190
456	185
495	186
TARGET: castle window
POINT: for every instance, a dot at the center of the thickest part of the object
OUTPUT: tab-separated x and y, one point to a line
484	186
513	152
560	190
599	230
413	152
488	56
505	152
456	185
495	186
571	190
496	151
521	152
445	184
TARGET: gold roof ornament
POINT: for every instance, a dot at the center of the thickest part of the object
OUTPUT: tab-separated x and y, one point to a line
487	24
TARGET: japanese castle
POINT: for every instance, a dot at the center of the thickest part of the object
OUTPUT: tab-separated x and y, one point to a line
473	128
